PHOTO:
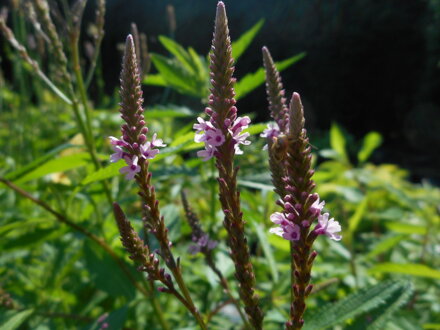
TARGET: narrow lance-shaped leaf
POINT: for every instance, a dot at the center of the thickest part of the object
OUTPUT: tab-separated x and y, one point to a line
252	80
239	46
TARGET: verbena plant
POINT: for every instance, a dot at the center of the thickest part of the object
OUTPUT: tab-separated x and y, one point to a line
205	273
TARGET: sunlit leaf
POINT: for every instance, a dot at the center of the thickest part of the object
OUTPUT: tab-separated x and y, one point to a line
179	52
252	80
418	270
338	141
406	228
60	164
15	175
355	219
155	79
176	76
371	142
16	319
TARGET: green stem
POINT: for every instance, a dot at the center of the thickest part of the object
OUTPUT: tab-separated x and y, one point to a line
156	307
83	95
192	308
224	283
54	88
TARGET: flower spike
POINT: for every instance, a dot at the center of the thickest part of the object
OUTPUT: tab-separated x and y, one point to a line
223	135
290	165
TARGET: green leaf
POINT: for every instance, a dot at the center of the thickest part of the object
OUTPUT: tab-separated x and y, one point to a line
117	318
60	164
179	52
104	173
418	270
239	46
17	319
159	112
354	305
267	250
371	142
201	66
380	316
106	273
12	176
155	80
177	76
252	80
406	228
280	244
385	245
255	129
355	219
255	185
33	238
337	142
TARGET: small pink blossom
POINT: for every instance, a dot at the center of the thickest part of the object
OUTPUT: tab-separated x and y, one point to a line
328	227
117	142
119	154
214	137
239	125
132	167
147	151
316	207
271	131
207	153
157	142
289	231
202	125
279	218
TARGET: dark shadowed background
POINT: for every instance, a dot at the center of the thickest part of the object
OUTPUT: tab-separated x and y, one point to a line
370	65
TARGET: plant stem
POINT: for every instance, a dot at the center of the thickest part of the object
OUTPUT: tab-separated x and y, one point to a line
191	307
225	285
156	307
83	95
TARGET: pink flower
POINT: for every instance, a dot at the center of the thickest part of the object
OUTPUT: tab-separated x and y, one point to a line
117	142
271	131
202	125
207	153
328	227
147	151
119	154
214	137
279	218
288	231
239	125
157	142
316	207
132	167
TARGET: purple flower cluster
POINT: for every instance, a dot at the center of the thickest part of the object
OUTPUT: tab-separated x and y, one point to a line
213	137
128	152
272	131
203	243
290	230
